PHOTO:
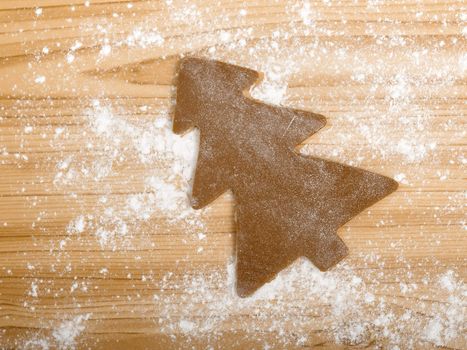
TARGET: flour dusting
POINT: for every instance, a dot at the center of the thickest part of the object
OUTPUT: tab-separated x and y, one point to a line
109	196
67	331
165	191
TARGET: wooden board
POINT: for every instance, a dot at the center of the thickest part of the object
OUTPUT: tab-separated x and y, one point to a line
97	246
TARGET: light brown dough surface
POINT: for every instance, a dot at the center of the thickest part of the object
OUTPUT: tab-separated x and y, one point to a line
287	205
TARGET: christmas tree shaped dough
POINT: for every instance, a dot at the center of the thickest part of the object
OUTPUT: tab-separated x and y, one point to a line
287	205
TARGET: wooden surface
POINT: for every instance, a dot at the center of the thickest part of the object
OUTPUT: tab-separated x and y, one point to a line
390	78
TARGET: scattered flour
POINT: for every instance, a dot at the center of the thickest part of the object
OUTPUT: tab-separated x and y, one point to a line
166	190
67	332
354	307
34	289
354	311
77	225
36	344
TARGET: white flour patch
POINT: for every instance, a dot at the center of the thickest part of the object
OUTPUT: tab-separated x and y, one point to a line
36	344
34	290
273	87
353	310
165	190
77	225
66	333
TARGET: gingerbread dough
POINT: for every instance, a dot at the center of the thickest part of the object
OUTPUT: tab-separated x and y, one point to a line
287	205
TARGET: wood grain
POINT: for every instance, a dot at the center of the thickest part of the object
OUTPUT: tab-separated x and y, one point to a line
412	237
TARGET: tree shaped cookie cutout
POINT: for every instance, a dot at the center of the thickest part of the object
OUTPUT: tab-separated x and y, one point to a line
287	205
